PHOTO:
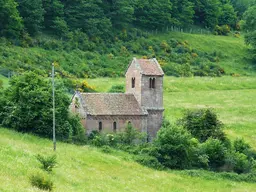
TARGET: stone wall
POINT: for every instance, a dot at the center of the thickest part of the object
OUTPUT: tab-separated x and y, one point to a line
92	123
155	118
133	72
152	98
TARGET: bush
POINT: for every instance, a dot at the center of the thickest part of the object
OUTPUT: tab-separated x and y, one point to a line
41	181
106	149
47	162
149	161
216	152
203	124
131	136
173	147
222	30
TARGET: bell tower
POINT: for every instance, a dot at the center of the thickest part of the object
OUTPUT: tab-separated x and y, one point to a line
144	78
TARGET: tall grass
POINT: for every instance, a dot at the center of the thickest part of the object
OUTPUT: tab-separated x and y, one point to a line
83	168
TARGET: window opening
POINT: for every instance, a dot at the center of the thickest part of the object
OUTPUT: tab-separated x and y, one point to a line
114	126
133	82
100	126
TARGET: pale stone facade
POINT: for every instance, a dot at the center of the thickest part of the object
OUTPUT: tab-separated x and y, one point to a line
141	105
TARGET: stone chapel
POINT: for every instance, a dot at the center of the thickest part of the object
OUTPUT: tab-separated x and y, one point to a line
141	105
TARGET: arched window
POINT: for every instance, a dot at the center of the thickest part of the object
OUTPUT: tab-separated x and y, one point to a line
153	83
114	126
133	82
100	126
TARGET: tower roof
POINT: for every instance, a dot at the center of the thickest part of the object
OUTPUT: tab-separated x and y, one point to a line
148	66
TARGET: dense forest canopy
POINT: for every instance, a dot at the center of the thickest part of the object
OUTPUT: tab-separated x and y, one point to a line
99	18
101	36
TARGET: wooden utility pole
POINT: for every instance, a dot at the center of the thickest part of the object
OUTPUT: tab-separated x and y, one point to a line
53	109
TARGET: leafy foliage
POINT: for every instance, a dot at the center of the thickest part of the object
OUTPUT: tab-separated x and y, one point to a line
41	181
173	147
203	124
47	162
35	116
11	22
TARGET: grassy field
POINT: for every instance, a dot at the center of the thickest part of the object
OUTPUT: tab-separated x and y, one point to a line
233	50
233	98
83	168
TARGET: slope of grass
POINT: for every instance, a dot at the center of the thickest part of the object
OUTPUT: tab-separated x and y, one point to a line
233	98
83	168
113	61
233	50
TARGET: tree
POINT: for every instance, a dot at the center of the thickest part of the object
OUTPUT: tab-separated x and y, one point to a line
183	12
54	17
203	124
32	13
207	12
11	23
121	12
249	26
29	107
227	15
173	147
87	15
153	14
241	6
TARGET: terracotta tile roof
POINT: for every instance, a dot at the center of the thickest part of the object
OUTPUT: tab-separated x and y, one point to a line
111	104
149	67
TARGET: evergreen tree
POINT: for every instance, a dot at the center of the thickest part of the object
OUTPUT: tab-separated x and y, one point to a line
87	15
11	23
121	12
207	12
32	13
54	17
249	25
153	14
183	12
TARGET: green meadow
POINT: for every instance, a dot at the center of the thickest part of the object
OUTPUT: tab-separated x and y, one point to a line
233	50
84	168
233	98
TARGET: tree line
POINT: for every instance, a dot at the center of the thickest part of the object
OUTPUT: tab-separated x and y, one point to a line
99	18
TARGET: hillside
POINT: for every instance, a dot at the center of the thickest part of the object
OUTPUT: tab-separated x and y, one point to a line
83	168
181	54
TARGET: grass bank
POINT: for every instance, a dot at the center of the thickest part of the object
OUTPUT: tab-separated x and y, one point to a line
83	168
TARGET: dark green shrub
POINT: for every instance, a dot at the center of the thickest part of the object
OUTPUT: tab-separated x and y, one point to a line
131	136
149	161
173	147
216	152
203	124
47	162
241	146
241	163
99	140
106	149
41	181
222	30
